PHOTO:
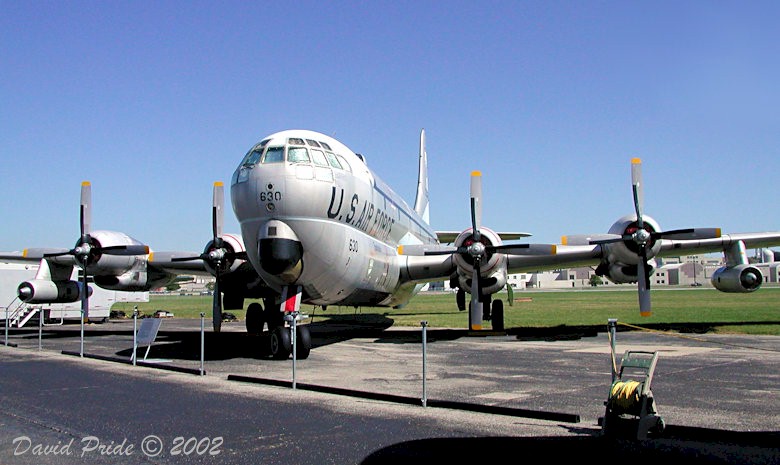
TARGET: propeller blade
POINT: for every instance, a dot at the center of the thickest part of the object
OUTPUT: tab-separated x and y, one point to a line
237	256
186	259
475	312
589	239
84	294
217	209
510	294
125	250
643	285
476	203
216	307
58	254
636	182
86	208
525	249
689	234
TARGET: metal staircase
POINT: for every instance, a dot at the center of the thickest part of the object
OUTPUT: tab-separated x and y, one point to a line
18	314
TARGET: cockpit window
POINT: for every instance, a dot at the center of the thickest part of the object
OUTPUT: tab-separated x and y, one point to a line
274	155
295	141
313	143
325	146
252	157
297	155
319	157
334	162
344	163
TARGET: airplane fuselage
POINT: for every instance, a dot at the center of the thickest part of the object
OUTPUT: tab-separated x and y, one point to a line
313	214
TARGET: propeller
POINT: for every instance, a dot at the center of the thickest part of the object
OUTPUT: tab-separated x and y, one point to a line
218	256
476	250
644	238
88	250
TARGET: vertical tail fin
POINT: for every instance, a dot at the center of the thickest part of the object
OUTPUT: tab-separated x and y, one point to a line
421	202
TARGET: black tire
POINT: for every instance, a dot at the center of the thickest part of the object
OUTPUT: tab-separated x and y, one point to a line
281	343
254	318
498	315
302	342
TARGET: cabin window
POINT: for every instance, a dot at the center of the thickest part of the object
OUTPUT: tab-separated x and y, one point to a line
297	155
274	155
325	146
313	143
319	157
334	162
295	141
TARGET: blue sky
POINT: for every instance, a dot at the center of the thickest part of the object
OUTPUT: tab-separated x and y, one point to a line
153	101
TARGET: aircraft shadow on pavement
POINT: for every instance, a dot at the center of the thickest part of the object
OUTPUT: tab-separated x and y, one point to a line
185	345
678	445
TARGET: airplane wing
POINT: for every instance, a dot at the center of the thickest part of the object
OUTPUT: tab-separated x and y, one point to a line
573	256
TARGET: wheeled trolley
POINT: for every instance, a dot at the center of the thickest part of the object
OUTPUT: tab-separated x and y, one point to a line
630	403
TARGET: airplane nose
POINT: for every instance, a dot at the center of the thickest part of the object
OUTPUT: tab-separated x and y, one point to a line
280	251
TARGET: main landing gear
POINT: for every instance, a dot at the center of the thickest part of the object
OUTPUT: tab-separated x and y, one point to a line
279	334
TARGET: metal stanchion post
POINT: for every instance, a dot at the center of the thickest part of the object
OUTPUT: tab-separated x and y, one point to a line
6	326
202	341
40	327
135	332
612	324
424	325
294	317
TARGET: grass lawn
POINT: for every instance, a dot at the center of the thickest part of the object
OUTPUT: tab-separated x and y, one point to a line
753	313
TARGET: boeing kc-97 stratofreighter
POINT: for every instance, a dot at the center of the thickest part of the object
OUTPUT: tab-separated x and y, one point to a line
319	227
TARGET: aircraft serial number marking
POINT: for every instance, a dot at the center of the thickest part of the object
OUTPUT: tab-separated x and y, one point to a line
371	219
270	196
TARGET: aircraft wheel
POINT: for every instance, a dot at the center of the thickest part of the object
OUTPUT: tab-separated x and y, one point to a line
254	318
281	344
498	315
302	342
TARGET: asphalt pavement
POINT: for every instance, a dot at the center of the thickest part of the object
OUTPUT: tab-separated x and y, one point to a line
367	394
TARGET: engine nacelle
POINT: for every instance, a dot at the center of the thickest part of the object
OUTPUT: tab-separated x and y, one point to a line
136	280
740	278
44	291
621	273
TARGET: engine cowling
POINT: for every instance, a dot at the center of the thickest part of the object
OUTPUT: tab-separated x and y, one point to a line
492	269
232	244
740	278
627	252
40	291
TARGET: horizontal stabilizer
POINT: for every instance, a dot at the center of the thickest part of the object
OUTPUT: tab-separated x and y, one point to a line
448	237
